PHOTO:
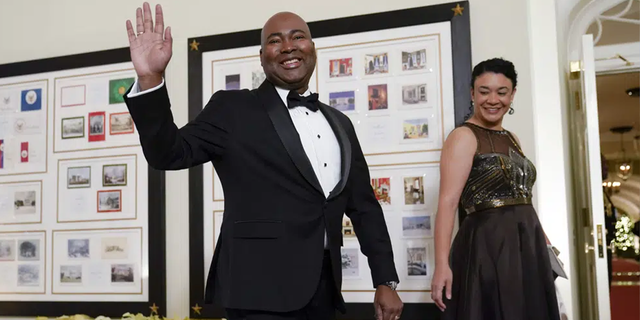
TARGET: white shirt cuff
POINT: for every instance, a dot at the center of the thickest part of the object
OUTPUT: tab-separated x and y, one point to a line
135	89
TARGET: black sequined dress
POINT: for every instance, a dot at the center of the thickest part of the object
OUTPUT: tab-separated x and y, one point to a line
499	258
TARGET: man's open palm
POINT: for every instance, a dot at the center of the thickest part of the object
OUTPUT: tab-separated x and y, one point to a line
150	46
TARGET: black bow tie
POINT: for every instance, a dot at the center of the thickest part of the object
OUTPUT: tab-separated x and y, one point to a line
296	100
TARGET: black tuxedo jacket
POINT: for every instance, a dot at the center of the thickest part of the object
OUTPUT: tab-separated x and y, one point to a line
270	249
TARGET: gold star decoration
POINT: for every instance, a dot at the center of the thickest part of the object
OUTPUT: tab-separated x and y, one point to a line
457	10
194	45
196	308
154	309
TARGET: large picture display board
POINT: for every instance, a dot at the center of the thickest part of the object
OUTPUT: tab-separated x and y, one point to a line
402	77
79	233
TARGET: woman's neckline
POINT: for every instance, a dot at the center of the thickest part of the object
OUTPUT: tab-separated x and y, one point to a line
483	128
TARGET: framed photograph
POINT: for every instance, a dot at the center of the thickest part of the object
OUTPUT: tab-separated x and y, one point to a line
78	249
350	262
71	274
339	68
232	82
96	126
344	101
415	129
120	123
382	190
122	273
28	275
347	228
416	226
381	70
414	190
79	177
414	94
68	96
73	128
110	201
115	248
414	60
29	250
7	250
416	261
25	202
377	97
376	63
114	175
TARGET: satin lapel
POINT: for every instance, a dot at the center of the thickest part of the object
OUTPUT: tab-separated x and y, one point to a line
287	132
345	148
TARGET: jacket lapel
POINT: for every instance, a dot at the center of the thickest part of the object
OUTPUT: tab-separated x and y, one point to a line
287	132
345	148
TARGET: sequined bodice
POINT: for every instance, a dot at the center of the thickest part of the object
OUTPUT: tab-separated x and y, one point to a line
500	175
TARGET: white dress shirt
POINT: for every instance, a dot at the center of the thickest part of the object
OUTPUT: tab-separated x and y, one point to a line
317	138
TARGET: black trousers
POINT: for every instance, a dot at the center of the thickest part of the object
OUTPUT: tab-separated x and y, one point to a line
321	307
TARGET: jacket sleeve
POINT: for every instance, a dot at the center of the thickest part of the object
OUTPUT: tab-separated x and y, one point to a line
368	219
167	147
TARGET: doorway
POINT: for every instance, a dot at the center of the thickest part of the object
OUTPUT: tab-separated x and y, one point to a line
604	120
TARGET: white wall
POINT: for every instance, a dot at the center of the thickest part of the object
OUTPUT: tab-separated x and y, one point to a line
34	29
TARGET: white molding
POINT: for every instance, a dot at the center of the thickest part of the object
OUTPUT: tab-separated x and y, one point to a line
607	59
586	13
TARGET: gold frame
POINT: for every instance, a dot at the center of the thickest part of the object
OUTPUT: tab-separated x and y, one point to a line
55	107
53	258
46	126
43	261
439	50
135	217
25	182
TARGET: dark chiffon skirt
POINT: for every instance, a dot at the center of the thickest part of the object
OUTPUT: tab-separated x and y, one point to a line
501	268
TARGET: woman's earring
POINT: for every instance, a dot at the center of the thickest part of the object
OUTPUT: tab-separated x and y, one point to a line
470	111
511	111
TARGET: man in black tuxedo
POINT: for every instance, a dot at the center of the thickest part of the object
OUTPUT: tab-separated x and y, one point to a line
290	167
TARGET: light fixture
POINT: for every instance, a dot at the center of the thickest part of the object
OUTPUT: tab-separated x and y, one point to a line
611	187
633	92
624	168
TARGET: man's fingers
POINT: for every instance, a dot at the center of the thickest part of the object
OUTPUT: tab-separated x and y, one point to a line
148	22
130	33
159	20
379	313
139	25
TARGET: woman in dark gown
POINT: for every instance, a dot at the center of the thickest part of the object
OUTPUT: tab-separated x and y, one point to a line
498	265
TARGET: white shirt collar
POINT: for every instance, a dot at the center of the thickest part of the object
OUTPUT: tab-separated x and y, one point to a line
283	93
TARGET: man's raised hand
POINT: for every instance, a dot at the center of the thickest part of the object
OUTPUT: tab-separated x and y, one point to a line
150	46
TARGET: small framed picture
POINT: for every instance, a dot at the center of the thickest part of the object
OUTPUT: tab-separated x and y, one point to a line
28	275
376	63
78	177
416	226
110	201
96	126
341	68
78	249
122	273
378	97
347	228
120	123
73	128
114	175
7	250
414	190
416	261
414	60
25	202
29	250
71	274
382	190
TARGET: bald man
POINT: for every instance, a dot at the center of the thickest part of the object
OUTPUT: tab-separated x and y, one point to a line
290	167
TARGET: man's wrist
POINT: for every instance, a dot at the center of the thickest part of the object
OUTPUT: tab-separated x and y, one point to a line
391	284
